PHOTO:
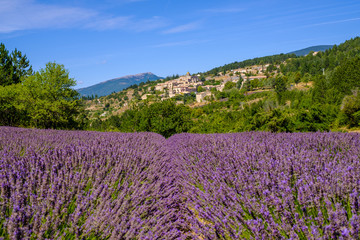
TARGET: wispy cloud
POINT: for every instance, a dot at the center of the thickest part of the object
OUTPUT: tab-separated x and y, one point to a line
183	28
141	25
17	15
127	23
106	23
333	22
179	43
224	10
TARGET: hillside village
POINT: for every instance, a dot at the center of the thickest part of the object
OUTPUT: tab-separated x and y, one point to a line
199	87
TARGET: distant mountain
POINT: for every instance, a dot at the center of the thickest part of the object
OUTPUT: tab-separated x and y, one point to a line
117	84
305	51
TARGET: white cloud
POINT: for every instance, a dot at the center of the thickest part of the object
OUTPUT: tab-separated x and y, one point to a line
333	22
109	23
148	24
26	14
183	28
17	15
127	23
179	43
224	10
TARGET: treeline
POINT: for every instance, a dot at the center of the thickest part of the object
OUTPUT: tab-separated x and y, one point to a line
317	64
274	59
165	118
43	99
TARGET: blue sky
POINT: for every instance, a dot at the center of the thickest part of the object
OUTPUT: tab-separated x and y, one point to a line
101	40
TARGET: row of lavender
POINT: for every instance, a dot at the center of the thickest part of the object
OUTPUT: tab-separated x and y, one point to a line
271	186
90	185
85	185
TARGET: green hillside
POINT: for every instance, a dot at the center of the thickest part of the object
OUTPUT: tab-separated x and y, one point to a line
300	94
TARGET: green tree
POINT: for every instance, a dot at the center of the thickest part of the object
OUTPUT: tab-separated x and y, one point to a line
297	77
13	106
346	77
351	108
53	102
21	66
5	66
13	67
239	82
247	85
307	78
200	89
165	118
229	85
279	84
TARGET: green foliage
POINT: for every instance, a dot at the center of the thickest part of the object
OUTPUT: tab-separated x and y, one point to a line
165	118
43	100
280	86
239	82
297	78
13	67
200	89
351	109
346	76
229	85
13	105
56	103
212	82
274	59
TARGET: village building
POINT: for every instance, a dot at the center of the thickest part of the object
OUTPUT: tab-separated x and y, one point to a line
188	79
200	97
182	85
145	96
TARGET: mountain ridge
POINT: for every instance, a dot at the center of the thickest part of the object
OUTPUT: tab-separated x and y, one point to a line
306	51
117	84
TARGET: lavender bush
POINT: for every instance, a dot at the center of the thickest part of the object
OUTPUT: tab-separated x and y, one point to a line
91	185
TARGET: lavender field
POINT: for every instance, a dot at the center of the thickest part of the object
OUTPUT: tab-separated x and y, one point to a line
91	185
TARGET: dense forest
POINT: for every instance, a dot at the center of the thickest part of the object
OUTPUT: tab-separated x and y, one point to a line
45	99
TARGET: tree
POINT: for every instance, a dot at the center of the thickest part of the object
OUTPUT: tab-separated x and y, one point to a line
53	103
200	89
279	84
13	106
13	67
297	77
351	108
346	77
5	66
165	118
21	66
239	82
229	85
307	78
262	65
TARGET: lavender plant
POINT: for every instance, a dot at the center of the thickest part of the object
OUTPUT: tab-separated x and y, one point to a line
91	185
